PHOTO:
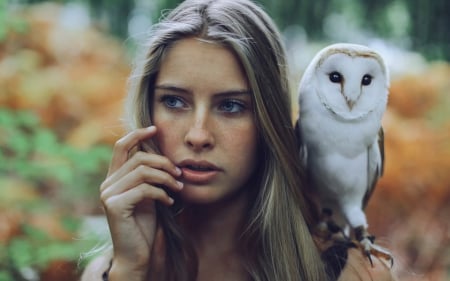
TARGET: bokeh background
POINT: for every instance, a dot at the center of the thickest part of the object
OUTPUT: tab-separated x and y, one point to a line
63	72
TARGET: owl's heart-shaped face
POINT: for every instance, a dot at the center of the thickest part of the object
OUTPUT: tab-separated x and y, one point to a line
351	81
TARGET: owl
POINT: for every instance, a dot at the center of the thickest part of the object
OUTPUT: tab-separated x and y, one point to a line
342	97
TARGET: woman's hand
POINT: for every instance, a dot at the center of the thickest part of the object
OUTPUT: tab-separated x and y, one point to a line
128	194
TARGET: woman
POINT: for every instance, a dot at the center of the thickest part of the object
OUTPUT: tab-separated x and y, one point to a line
207	184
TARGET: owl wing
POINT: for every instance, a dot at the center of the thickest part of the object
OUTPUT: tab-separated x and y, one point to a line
375	165
301	143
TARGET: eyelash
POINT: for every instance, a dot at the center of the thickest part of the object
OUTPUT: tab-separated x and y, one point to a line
235	103
168	98
177	103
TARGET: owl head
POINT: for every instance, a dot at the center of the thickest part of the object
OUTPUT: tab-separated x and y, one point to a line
350	81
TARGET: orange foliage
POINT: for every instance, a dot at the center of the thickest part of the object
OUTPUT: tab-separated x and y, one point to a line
9	226
67	76
417	157
412	96
49	224
410	208
60	270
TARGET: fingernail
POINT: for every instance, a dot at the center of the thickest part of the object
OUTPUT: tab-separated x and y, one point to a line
171	201
178	171
180	184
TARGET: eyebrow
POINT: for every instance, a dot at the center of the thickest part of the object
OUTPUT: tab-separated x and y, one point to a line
237	92
172	88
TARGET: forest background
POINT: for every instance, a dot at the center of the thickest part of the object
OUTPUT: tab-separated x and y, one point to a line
63	71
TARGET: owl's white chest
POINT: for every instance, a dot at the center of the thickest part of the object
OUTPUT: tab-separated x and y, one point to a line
326	133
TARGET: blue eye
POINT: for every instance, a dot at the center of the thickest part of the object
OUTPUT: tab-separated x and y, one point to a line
172	101
232	106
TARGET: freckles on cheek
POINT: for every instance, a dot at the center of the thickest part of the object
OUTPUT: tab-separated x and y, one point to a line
165	134
241	139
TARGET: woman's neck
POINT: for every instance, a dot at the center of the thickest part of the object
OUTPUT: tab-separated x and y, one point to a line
214	231
215	224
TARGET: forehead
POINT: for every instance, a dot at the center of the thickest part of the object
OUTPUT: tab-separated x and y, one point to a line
194	61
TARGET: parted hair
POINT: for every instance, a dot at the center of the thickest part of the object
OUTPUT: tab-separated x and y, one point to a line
276	242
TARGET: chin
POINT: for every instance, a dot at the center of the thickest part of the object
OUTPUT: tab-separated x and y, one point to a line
208	195
198	195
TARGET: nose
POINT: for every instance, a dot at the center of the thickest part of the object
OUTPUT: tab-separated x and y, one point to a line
199	137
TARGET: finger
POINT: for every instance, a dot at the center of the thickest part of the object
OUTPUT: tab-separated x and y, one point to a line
142	159
124	145
123	204
142	174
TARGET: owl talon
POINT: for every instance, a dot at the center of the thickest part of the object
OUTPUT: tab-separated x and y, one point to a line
366	246
380	252
369	257
369	248
377	251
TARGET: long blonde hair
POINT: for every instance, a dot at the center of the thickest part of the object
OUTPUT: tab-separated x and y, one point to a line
276	240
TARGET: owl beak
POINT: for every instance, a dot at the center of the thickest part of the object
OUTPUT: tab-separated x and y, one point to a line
350	104
351	95
349	101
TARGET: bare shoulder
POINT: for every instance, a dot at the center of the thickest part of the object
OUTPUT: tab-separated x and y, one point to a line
359	268
95	269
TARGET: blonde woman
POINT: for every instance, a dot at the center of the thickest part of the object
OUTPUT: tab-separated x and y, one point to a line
207	185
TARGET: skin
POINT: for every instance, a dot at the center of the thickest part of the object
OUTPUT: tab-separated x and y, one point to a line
202	112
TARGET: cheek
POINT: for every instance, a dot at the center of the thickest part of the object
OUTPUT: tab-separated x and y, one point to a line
167	135
245	142
242	144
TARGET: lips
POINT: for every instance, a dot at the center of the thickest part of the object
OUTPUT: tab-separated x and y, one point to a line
198	172
199	168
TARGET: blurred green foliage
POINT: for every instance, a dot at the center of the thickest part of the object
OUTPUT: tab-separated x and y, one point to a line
61	176
32	152
419	24
422	24
9	23
25	256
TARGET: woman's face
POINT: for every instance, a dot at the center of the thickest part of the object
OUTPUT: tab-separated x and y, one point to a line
202	108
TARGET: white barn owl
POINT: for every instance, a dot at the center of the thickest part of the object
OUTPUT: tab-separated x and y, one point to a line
342	98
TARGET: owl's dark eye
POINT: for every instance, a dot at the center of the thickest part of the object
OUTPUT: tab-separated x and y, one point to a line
335	77
366	80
